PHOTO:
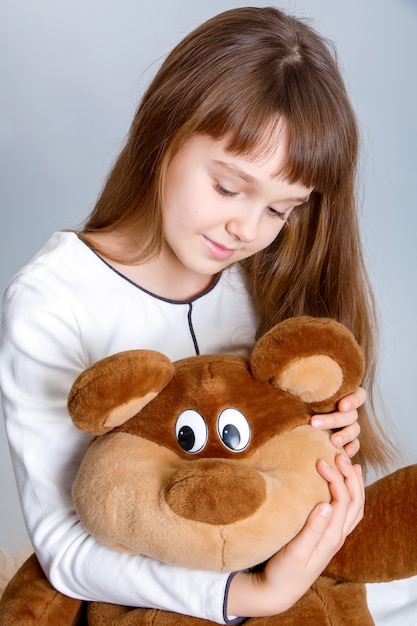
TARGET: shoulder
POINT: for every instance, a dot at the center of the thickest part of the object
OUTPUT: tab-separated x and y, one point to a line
60	249
61	265
42	294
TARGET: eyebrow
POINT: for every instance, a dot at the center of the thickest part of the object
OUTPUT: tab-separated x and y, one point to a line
250	179
237	172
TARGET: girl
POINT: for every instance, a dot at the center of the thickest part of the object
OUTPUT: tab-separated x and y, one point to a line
230	208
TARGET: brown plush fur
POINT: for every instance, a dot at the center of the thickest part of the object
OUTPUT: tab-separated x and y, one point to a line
29	599
11	561
233	501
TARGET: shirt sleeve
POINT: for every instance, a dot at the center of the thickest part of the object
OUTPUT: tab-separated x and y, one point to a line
41	353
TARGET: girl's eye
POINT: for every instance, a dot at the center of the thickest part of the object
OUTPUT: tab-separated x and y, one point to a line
282	216
224	192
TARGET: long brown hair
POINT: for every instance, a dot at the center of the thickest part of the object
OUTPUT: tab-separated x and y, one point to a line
237	75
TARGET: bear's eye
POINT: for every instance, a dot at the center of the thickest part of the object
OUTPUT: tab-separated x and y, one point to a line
233	429
191	431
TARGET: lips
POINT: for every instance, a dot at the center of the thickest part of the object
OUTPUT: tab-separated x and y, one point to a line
217	250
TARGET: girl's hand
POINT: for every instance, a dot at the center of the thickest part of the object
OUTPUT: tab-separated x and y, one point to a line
345	419
292	570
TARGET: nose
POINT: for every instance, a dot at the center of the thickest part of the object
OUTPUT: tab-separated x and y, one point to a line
215	491
244	227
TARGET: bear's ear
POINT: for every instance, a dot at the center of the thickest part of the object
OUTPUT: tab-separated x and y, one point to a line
316	359
114	389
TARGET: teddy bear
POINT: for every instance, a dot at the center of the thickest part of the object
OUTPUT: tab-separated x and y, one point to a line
227	465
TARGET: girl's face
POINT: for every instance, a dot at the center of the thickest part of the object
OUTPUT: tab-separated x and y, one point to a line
220	208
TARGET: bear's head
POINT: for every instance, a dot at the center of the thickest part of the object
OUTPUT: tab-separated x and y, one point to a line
194	459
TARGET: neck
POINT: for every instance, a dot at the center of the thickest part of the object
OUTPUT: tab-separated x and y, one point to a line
163	276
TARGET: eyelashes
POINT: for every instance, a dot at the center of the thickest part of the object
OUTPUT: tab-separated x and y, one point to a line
278	214
226	193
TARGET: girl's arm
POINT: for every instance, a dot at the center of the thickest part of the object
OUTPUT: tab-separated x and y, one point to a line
41	353
291	572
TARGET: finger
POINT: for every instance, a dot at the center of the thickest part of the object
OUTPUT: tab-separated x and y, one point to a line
352	448
352	401
346	489
304	545
355	487
345	436
358	470
352	474
328	524
336	476
332	421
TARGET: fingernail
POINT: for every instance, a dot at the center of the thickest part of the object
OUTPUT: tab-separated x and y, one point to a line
317	422
345	460
324	463
325	510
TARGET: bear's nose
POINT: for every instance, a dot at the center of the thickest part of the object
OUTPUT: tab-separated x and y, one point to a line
215	491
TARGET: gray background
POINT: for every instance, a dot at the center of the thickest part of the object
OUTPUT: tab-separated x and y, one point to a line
71	74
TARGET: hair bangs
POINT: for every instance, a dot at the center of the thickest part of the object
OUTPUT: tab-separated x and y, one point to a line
322	135
323	132
317	158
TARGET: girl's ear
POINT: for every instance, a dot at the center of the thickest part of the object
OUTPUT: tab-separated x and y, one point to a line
114	389
315	359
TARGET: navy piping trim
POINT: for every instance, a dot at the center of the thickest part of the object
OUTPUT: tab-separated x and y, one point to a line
191	327
153	295
236	620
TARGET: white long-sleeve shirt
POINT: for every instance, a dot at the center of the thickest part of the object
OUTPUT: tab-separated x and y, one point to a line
65	310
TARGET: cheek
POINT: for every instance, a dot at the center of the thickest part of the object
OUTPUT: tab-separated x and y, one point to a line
186	205
268	233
